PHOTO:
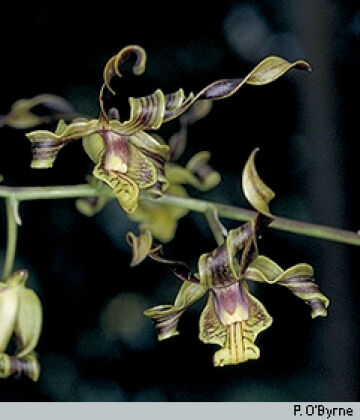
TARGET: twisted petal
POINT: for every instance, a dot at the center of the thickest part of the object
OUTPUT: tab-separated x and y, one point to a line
46	145
298	279
21	114
222	267
113	66
13	365
256	191
166	317
267	71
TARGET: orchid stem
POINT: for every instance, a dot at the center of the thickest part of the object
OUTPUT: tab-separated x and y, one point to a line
201	206
12	228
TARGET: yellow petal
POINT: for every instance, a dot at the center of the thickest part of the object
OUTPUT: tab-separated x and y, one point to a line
141	246
256	191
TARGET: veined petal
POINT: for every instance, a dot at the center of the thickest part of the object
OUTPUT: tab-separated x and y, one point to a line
212	331
147	112
124	188
236	338
141	169
46	145
256	191
150	147
267	71
166	317
298	279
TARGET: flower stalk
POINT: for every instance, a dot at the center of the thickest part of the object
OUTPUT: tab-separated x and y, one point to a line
12	228
193	204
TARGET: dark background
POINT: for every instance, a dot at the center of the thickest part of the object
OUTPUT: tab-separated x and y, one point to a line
96	345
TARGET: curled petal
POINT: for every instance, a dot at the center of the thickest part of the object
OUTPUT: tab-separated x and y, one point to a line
112	67
141	246
46	145
298	279
166	317
267	71
256	191
22	114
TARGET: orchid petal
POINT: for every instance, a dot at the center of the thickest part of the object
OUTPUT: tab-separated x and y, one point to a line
267	71
141	246
298	279
256	191
46	145
166	317
28	322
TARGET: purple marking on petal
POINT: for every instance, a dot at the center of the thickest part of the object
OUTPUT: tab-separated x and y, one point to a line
231	303
116	145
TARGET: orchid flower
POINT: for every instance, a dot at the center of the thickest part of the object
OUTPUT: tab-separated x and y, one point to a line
232	317
126	157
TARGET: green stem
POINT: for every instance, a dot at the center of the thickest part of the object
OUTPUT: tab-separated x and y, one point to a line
202	206
12	228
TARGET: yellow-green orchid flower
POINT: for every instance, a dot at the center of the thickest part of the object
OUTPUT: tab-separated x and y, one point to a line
232	317
20	318
162	219
126	157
